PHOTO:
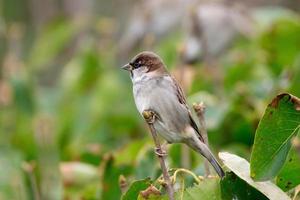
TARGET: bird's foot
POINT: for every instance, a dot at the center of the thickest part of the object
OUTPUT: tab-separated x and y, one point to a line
149	116
160	152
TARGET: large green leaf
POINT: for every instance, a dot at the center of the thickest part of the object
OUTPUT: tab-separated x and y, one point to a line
233	187
289	176
241	168
272	139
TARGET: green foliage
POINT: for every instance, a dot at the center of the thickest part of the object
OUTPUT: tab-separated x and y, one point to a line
205	190
282	44
66	69
110	179
279	124
289	175
50	43
234	187
11	176
241	169
135	189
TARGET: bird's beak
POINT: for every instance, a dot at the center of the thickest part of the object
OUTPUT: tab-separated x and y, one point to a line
127	67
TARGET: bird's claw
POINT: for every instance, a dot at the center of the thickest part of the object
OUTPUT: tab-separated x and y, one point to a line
160	152
149	116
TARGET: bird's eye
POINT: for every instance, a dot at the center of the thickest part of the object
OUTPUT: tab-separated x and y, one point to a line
137	64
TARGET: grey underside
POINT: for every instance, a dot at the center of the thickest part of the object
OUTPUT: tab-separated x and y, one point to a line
174	116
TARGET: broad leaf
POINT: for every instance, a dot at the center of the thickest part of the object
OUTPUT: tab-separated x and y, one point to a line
289	176
272	139
241	168
233	187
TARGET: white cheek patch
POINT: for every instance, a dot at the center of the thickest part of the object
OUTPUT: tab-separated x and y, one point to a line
140	74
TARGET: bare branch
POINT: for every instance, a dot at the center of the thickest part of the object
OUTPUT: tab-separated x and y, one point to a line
150	118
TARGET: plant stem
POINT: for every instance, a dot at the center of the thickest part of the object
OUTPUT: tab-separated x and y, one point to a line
200	110
150	116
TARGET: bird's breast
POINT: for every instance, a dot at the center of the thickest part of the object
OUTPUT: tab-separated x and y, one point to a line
159	95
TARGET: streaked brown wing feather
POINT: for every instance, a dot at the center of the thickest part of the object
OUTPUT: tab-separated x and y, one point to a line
182	100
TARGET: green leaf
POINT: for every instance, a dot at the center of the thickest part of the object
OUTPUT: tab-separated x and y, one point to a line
135	188
233	187
272	139
208	189
110	173
241	168
289	176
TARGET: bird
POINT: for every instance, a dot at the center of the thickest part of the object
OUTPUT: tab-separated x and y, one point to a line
155	89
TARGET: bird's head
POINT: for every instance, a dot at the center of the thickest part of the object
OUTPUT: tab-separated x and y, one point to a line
145	63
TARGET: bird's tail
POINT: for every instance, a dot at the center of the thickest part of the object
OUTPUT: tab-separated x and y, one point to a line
202	148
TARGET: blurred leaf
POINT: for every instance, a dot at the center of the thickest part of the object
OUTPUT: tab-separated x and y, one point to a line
294	87
174	154
146	163
12	176
216	108
129	153
76	173
238	149
282	43
52	40
208	189
272	139
13	13
289	176
242	130
265	16
241	168
135	188
167	49
110	178
23	96
91	70
239	70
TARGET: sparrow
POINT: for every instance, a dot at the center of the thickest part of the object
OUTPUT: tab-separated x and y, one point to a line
156	90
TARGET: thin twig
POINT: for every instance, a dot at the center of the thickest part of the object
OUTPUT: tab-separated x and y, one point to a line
150	118
200	110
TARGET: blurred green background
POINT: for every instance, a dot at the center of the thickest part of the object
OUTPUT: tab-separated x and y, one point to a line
68	124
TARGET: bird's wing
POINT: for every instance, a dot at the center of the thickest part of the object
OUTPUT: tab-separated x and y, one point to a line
182	100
